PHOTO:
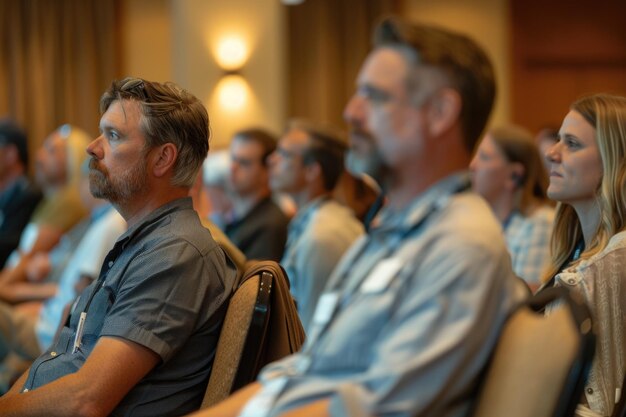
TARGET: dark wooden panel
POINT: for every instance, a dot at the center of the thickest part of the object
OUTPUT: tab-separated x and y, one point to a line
562	50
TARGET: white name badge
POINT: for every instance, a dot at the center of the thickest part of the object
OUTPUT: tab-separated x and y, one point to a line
325	308
381	275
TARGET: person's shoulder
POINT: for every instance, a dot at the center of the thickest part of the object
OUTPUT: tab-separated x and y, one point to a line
543	214
272	212
468	221
616	242
333	215
183	226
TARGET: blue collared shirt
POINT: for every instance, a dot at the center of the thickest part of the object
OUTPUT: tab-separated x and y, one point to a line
420	302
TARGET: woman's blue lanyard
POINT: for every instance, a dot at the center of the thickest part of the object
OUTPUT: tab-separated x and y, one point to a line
507	221
574	256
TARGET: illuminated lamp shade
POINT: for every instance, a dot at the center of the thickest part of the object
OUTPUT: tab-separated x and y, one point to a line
232	92
231	53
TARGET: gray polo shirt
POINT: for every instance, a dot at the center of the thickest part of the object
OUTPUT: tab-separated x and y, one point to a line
164	286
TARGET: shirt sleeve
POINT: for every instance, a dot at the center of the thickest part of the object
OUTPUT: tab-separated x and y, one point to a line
158	303
316	260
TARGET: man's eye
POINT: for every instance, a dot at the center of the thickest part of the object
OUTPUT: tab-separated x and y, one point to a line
374	95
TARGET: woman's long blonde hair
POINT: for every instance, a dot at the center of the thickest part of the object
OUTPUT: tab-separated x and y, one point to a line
607	114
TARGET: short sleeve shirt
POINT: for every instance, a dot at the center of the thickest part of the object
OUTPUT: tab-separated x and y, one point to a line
163	286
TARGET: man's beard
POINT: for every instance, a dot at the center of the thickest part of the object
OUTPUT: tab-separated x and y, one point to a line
369	162
120	188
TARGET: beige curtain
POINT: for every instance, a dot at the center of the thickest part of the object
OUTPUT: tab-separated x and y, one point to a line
327	42
58	56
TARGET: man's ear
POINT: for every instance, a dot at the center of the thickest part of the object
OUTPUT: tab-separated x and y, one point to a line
444	109
164	158
11	155
517	175
312	171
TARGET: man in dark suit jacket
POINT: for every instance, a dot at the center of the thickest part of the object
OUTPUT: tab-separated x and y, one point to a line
18	195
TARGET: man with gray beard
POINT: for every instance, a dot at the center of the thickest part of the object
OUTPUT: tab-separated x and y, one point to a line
140	340
411	313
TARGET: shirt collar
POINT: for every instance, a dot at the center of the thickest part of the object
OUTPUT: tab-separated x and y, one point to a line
435	196
172	206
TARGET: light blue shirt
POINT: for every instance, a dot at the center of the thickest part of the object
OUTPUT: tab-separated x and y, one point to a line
421	300
528	240
318	237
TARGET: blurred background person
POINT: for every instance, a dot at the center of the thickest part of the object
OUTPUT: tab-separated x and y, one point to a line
218	205
18	195
57	172
27	330
545	138
307	165
258	226
507	171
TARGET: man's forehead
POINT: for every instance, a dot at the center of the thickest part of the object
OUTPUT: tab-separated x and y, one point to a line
55	140
242	145
384	65
120	112
295	136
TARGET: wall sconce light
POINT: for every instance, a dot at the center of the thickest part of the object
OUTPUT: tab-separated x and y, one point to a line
232	92
231	53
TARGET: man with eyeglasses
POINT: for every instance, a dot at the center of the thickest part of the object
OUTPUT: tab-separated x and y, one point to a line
411	314
140	340
306	165
258	226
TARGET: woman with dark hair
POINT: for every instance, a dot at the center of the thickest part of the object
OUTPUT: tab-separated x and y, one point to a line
508	172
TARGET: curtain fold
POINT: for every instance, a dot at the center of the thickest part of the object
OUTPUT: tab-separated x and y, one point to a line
327	43
57	58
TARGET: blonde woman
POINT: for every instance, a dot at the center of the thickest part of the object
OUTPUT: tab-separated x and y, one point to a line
588	247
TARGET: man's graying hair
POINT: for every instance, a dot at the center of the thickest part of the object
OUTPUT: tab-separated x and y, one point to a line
169	115
463	64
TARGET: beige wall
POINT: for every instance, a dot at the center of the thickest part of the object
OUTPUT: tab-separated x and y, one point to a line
147	33
486	21
174	40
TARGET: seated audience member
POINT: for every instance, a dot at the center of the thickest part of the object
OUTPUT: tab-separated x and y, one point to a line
29	335
37	276
360	193
307	165
215	178
507	171
544	139
57	172
18	196
202	206
141	339
412	312
259	226
588	256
